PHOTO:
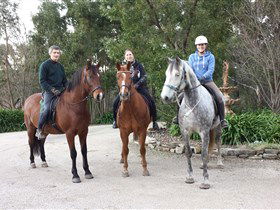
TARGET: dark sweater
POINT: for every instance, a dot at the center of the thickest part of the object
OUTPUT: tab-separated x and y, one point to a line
52	75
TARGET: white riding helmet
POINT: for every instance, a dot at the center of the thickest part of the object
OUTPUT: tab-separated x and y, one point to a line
201	40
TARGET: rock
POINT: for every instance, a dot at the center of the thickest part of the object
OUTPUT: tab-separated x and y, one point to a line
158	143
228	152
181	145
245	152
271	151
150	140
152	146
243	156
173	150
270	156
180	150
165	149
256	157
196	149
259	152
173	145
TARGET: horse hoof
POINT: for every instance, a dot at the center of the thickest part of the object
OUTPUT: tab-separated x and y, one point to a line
121	161
44	164
125	174
146	173
88	176
204	186
33	165
189	180
76	180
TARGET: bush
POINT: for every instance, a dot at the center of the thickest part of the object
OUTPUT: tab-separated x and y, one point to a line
106	118
249	127
11	120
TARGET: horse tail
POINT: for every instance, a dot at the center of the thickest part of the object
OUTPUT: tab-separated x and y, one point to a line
212	141
36	146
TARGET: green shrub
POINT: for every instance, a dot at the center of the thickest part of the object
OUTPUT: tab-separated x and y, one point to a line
106	118
174	130
11	120
249	127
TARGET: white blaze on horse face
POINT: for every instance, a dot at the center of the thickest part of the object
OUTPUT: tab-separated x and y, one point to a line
123	83
167	93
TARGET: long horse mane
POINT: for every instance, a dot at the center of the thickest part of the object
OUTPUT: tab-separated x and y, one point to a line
75	80
190	75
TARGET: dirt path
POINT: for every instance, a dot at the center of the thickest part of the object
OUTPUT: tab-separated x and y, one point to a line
242	184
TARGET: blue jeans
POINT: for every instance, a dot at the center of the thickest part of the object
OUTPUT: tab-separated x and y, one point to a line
44	116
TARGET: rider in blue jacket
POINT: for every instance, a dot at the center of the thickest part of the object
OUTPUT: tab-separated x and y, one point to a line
203	64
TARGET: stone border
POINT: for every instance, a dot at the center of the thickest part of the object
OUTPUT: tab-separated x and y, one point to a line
179	148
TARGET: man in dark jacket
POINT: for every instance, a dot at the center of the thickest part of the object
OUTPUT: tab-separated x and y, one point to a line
52	81
140	83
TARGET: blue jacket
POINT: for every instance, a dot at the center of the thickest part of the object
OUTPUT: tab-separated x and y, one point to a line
203	66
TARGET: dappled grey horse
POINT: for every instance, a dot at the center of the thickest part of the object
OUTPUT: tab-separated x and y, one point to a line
196	114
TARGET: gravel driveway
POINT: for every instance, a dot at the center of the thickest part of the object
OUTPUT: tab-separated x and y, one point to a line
241	184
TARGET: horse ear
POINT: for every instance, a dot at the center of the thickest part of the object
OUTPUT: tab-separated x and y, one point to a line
169	60
118	66
128	65
89	61
178	60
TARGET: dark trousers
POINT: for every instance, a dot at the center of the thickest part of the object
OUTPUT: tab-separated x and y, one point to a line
144	92
44	116
218	96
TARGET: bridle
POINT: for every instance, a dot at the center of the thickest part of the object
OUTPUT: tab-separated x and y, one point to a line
128	87
89	96
183	80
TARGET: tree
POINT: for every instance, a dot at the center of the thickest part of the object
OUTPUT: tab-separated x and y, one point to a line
8	29
256	49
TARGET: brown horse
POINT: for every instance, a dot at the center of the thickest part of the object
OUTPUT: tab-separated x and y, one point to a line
72	116
133	116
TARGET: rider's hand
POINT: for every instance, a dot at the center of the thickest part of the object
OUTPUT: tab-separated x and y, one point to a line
55	92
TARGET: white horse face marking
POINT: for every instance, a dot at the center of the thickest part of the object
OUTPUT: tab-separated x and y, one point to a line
173	80
123	83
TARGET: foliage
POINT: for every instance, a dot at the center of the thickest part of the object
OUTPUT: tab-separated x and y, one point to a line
106	118
174	130
255	50
11	120
252	126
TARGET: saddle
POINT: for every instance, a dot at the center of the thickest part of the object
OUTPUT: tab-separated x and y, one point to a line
52	114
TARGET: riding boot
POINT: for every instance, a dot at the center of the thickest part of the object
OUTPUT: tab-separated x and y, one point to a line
221	109
115	124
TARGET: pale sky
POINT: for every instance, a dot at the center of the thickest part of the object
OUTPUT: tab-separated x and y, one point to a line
27	8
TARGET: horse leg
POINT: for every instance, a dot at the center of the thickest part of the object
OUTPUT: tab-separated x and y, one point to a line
42	151
189	178
219	142
142	138
33	144
83	143
204	155
125	151
73	153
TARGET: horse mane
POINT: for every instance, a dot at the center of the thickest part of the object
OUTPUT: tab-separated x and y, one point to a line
75	80
190	75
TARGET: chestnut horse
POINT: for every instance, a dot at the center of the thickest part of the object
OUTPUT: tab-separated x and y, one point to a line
133	116
72	116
